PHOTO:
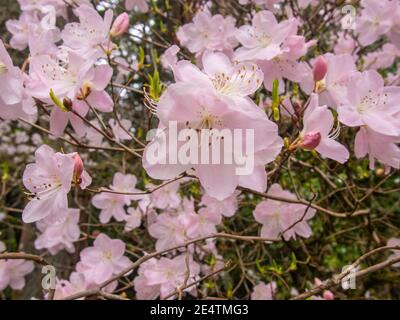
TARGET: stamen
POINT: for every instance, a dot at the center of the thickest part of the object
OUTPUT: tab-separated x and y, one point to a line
335	133
3	68
150	103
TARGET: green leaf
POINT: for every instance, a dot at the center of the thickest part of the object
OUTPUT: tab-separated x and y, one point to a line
141	58
155	86
293	264
275	99
6	169
57	101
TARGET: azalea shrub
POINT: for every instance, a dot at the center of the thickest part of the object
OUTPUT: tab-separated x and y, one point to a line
232	149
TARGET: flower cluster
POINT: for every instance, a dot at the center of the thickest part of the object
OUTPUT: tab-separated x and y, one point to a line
321	97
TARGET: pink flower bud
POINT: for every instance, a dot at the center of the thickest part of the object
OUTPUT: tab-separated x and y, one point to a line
317	282
78	168
311	140
120	25
320	68
328	295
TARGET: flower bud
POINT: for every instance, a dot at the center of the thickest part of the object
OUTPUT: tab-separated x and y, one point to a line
67	102
320	68
380	172
328	295
78	168
311	140
120	25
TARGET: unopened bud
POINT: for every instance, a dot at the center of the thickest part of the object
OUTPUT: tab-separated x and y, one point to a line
380	172
120	25
320	68
78	168
67	102
328	295
311	140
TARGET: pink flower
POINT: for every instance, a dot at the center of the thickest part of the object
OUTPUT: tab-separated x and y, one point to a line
66	288
140	5
199	107
169	57
203	223
49	180
221	75
21	29
25	109
279	217
11	79
60	6
310	140
166	197
143	290
326	294
316	134
77	82
13	272
208	32
93	137
286	64
105	259
333	88
121	131
345	45
166	275
378	147
76	284
15	101
112	204
394	33
227	207
370	103
264	291
381	59
280	68
120	25
320	68
133	219
376	19
305	3
59	235
124	69
92	31
264	38
169	230
394	242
